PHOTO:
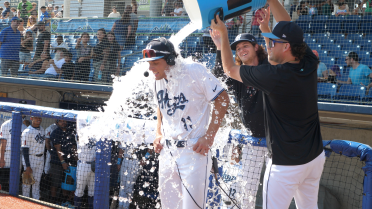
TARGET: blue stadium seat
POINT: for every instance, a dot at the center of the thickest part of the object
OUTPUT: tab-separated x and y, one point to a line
122	62
329	62
367	18
317	26
326	91
319	35
320	18
69	36
52	36
143	38
193	39
92	42
332	48
365	27
139	42
351	26
368	37
351	92
129	61
312	46
126	52
304	22
307	35
355	36
368	97
333	27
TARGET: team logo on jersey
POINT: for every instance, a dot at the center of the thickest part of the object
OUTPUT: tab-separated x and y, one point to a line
167	103
214	90
228	178
39	138
91	144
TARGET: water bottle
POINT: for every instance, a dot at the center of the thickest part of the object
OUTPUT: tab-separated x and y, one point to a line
100	75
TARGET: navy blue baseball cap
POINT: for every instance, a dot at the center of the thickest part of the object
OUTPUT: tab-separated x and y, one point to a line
156	49
286	30
242	37
16	18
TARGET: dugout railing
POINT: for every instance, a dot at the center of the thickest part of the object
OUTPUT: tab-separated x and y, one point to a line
347	175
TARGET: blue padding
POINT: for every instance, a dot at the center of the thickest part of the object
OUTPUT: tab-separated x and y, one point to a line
38	111
236	135
367	186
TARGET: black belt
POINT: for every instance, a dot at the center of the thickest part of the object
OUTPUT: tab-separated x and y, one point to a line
85	162
39	155
178	144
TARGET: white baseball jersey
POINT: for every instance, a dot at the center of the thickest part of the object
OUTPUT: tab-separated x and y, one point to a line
87	152
34	138
50	129
184	101
232	183
6	131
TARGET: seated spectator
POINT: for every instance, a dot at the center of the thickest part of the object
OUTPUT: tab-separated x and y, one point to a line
21	26
59	14
39	65
368	9
56	64
83	58
6	12
359	10
302	8
313	10
50	10
327	8
114	12
26	48
55	11
59	43
336	6
113	60
14	11
68	68
100	54
178	10
359	74
342	9
321	66
168	8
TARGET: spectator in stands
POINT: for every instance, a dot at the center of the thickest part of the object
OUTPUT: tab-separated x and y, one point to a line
122	29
21	27
113	60
50	10
168	7
302	8
63	156
359	10
59	43
178	10
233	25
45	17
134	6
337	6
134	23
14	11
68	68
39	65
33	12
26	48
359	74
83	57
368	9
55	65
10	44
255	25
31	22
114	12
343	9
6	13
1	10
43	41
60	13
23	10
327	8
55	11
100	54
293	9
313	10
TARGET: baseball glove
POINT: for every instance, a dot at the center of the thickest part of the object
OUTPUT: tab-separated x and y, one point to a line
28	179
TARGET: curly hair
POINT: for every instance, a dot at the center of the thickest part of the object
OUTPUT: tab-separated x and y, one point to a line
261	54
298	50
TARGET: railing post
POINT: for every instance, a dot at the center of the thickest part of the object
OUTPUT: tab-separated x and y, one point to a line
15	159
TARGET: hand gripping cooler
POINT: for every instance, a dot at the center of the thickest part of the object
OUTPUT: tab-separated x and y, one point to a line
69	182
201	12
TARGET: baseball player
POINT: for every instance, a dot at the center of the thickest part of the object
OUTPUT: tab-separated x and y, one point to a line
5	152
183	92
289	86
49	145
250	101
33	145
85	175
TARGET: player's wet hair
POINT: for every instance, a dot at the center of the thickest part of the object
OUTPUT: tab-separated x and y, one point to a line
298	50
261	54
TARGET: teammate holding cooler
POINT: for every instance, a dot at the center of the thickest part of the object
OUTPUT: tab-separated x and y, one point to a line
250	101
183	92
292	122
5	152
33	145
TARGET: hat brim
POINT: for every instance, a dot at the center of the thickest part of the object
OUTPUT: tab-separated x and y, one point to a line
233	45
270	35
150	59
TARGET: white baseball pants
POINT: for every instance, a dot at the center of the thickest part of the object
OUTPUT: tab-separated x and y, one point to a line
37	166
47	163
84	177
194	170
282	183
129	172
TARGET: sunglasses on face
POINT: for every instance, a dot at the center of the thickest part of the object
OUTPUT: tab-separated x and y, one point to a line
272	43
150	53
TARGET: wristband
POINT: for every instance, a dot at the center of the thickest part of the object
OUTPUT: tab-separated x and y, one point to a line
63	161
119	161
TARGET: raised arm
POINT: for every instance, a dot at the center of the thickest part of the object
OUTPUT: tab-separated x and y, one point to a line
2	152
157	146
228	63
279	13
